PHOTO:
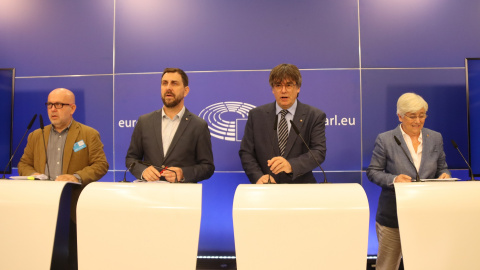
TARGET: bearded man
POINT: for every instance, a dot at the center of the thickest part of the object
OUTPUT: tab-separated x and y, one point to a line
172	138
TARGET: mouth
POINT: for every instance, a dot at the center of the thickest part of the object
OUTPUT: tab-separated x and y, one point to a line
169	94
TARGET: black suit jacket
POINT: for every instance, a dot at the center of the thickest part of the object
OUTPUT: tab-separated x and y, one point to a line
191	147
260	143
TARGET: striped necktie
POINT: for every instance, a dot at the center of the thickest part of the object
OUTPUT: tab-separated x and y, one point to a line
282	132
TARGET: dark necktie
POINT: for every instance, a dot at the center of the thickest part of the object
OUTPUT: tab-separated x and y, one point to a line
282	132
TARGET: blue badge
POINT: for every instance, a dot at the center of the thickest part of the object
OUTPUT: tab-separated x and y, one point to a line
79	146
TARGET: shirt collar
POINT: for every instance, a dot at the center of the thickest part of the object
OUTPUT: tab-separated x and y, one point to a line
179	115
66	129
405	134
291	110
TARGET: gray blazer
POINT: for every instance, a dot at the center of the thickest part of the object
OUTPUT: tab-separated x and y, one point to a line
260	143
191	147
388	161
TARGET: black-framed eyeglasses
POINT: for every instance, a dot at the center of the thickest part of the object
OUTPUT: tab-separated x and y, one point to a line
57	105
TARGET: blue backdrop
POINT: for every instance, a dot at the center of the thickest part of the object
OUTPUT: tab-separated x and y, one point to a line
356	56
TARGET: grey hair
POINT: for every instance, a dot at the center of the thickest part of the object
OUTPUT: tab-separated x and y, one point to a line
410	102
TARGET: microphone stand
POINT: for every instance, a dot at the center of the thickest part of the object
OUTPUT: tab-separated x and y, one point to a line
400	144
44	144
10	161
469	168
273	146
310	151
125	174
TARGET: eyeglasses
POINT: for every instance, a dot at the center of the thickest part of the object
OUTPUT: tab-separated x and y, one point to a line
413	116
57	105
288	86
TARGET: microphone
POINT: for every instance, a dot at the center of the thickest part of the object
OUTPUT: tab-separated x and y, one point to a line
128	169
400	144
310	151
28	128
469	168
159	168
275	123
40	118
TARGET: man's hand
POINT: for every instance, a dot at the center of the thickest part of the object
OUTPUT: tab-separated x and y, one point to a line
151	174
170	176
402	178
444	175
264	179
279	164
67	178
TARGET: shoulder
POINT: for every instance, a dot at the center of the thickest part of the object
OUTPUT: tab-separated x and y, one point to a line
263	109
387	137
431	133
150	115
389	133
84	128
309	109
36	133
34	136
189	116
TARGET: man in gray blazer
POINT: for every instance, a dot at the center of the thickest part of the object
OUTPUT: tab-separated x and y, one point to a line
172	137
389	165
279	156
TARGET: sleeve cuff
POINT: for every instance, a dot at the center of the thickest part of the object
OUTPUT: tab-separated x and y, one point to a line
78	178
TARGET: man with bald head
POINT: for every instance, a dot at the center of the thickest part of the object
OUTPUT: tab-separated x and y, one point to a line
75	154
75	151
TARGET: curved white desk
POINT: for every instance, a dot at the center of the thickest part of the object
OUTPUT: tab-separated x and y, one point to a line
439	224
302	226
138	226
34	224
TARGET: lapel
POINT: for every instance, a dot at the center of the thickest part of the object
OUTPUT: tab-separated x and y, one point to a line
157	128
398	133
43	158
298	119
186	119
71	139
273	134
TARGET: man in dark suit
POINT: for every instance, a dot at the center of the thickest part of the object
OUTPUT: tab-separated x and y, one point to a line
389	165
172	137
279	156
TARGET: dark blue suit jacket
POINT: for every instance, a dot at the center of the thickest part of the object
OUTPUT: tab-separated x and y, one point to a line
260	143
191	147
388	161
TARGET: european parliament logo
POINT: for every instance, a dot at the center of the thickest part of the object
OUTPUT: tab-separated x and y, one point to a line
226	120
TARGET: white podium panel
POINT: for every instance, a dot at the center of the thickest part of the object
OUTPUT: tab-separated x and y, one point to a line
439	224
301	226
29	212
138	226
